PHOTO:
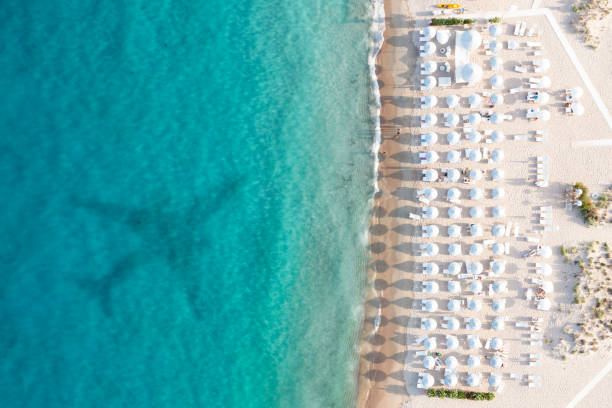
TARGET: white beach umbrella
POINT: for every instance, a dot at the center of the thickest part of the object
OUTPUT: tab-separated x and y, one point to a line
474	379
429	139
454	268
495	30
471	72
497	136
495	380
429	32
429	83
544	304
431	287
476	212
454	305
475	174
577	108
498	212
453	138
474	136
453	175
544	82
497	118
474	155
430	305
430	67
497	174
430	212
499	286
474	324
475	230
427	380
497	81
431	231
498	230
430	268
450	380
496	63
476	194
453	156
475	100
476	249
497	99
470	40
430	157
498	266
430	101
453	324
544	115
429	193
474	118
498	193
542	64
454	249
576	92
429	323
545	251
543	98
452	101
430	343
454	231
475	305
545	270
547	286
429	119
498	249
454	212
476	268
476	286
431	249
430	175
452	343
429	49
443	36
498	323
454	287
473	360
451	119
451	362
453	194
429	362
495	46
496	343
498	305
473	342
497	155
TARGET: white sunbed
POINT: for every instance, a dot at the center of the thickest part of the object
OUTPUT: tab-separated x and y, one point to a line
520	137
551	228
533	239
545	215
539	53
517	28
519	68
540	139
516	376
522	324
535	343
532	385
523	28
528	296
533	377
542	158
535	363
545	222
444	81
508	228
516	90
535	336
532	31
414	216
516	230
420	339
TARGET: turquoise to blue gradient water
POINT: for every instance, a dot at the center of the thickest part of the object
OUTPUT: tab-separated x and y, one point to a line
184	190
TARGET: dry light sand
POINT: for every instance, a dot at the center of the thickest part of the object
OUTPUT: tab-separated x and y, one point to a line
388	367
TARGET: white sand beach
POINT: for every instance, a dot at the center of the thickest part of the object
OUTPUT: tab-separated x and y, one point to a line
559	151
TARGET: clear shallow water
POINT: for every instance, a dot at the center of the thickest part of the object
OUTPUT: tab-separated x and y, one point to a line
184	203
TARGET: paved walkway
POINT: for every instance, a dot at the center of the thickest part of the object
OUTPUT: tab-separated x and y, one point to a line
568	49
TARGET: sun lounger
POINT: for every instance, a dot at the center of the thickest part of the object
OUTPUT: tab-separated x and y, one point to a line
444	81
542	184
551	228
532	385
523	28
539	53
520	137
545	222
414	216
521	324
542	165
444	325
540	139
531	31
424	200
542	132
535	336
519	68
517	28
535	363
528	295
508	229
536	343
545	215
516	376
516	90
533	377
466	276
516	230
542	159
533	239
534	356
420	339
487	343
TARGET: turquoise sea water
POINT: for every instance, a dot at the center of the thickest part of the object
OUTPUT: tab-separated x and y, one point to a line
185	191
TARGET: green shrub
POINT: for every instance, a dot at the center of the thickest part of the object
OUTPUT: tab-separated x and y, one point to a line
451	21
458	394
495	20
588	208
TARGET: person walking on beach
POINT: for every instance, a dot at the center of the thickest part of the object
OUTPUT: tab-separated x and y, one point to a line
397	135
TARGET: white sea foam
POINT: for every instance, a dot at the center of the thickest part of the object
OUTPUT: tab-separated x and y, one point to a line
377	30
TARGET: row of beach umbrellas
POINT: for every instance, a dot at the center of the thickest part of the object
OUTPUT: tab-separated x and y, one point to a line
453	175
451	379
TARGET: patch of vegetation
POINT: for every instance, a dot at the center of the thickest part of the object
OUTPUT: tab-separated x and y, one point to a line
457	394
451	21
495	20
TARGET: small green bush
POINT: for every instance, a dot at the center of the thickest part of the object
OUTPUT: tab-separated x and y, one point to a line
451	21
495	20
458	394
